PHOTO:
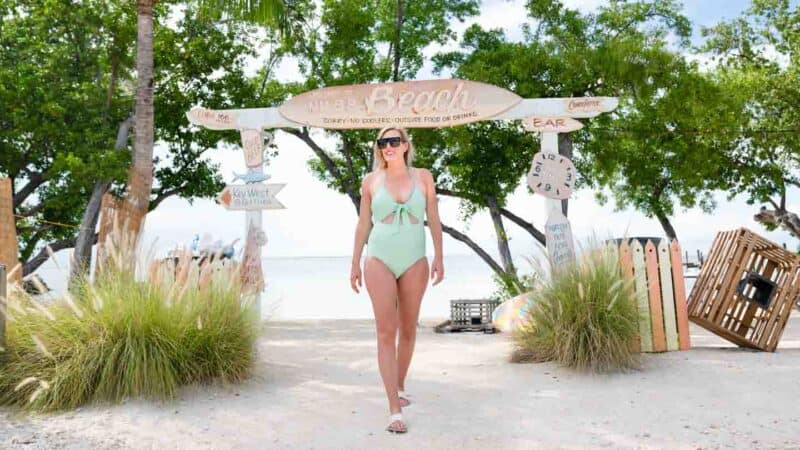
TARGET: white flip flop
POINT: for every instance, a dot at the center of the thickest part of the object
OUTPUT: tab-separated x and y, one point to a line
404	396
397	417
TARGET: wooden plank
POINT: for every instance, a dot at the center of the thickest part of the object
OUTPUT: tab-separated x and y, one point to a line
640	284
667	296
712	274
679	289
788	300
9	246
776	321
654	295
268	118
626	265
744	245
2	307
697	298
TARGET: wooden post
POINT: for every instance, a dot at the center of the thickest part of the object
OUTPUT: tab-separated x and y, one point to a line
558	232
3	308
9	251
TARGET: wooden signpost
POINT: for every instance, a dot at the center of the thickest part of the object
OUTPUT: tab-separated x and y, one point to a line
9	249
253	197
553	175
413	104
410	104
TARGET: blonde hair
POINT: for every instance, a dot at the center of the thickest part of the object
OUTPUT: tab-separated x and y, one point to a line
378	162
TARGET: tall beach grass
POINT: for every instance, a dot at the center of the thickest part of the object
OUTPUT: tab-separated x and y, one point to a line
119	337
584	317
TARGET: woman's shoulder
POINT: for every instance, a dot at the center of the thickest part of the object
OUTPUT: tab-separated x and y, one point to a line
369	180
371	176
423	173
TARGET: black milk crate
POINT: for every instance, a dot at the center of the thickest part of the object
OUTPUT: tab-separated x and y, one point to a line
472	314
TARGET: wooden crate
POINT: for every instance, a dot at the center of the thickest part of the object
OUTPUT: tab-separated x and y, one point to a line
469	314
746	290
656	268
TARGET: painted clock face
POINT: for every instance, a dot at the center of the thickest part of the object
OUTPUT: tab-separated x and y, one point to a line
552	175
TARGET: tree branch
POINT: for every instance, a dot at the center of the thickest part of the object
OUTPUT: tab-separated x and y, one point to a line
326	159
459	236
35	179
32	264
527	226
165	194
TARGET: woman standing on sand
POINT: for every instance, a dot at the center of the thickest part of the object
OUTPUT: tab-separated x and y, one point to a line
395	197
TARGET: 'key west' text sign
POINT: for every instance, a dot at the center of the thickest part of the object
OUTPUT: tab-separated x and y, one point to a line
415	104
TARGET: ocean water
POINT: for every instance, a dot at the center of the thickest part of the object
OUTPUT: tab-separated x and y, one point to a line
319	288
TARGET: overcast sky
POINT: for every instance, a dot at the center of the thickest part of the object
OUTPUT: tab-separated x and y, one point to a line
320	222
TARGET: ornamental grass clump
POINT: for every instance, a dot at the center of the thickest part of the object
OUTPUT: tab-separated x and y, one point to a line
119	337
584	317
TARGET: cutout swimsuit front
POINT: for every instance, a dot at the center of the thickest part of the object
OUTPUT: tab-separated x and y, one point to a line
398	232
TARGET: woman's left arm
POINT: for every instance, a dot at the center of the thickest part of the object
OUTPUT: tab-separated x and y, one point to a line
435	225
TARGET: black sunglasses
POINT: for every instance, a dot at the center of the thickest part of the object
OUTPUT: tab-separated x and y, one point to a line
393	141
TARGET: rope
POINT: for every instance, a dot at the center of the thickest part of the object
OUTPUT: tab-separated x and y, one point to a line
66	225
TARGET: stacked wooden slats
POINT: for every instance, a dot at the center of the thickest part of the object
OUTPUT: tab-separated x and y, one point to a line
716	303
9	251
656	271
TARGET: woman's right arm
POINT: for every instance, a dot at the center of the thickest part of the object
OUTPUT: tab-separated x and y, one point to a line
363	229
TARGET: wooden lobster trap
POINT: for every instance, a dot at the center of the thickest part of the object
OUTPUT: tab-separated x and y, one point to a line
656	268
469	315
746	290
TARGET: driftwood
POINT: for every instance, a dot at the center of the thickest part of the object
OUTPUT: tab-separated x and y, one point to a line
779	218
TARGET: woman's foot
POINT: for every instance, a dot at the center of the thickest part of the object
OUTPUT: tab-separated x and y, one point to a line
397	424
403	398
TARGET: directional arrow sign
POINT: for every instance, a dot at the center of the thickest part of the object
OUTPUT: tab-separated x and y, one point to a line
212	119
552	124
251	197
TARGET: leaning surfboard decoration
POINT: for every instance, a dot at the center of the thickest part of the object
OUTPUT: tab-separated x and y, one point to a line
412	104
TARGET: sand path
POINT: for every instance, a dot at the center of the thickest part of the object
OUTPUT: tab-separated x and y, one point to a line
316	386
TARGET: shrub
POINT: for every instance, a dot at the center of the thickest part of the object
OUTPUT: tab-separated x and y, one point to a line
119	337
584	317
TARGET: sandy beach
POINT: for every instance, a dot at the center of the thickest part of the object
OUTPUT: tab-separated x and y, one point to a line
316	386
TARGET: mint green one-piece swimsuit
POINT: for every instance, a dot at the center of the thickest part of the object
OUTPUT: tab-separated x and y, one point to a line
401	243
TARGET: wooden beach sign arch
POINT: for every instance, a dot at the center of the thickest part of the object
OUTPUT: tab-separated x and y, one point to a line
415	104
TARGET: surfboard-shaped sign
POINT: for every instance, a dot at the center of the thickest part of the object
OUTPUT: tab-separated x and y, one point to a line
551	124
577	106
408	104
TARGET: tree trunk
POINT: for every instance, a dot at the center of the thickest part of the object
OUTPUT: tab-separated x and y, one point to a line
82	258
140	175
397	35
502	238
667	226
510	277
565	149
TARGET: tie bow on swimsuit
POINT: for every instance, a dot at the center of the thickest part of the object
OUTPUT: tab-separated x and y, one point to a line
401	242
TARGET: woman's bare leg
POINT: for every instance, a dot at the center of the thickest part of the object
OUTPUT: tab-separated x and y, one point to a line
382	289
410	288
